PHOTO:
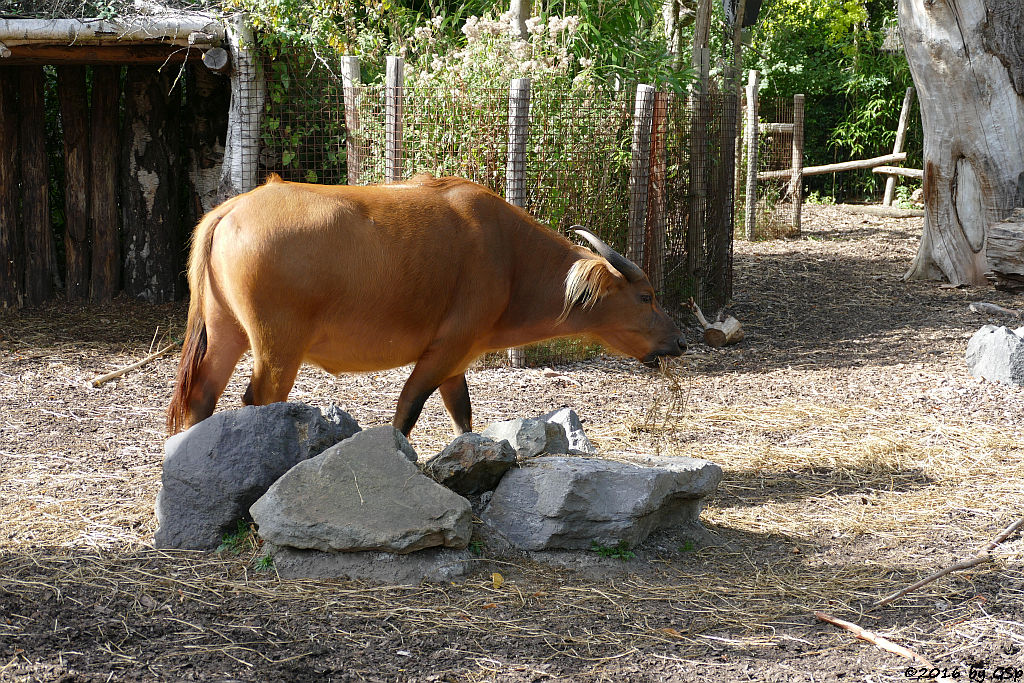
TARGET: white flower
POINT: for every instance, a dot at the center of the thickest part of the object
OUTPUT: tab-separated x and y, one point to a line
534	25
586	63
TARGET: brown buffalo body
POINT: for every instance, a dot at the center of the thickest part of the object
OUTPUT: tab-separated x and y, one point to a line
432	271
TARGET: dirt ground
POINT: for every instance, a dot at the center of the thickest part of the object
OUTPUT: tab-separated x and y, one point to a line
859	457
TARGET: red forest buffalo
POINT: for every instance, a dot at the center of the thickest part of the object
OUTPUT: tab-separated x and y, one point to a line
431	271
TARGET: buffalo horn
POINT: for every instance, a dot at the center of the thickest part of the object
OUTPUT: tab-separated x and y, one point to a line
630	270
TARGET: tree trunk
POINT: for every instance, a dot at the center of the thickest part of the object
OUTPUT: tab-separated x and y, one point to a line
150	203
968	68
40	258
103	215
12	262
74	116
205	121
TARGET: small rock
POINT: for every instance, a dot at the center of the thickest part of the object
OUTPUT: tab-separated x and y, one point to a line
567	503
471	464
529	437
579	444
997	354
365	493
215	470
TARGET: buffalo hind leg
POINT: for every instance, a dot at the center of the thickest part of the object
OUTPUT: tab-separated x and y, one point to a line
455	394
225	344
432	371
273	375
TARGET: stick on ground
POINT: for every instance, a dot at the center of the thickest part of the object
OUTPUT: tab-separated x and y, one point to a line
103	379
984	555
876	640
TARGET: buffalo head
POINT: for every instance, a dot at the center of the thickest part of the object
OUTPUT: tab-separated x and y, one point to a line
623	310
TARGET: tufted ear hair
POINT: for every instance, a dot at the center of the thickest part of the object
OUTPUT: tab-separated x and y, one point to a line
587	282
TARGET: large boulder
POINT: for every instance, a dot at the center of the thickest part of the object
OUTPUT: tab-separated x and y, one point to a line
364	494
215	470
571	503
529	437
471	464
997	354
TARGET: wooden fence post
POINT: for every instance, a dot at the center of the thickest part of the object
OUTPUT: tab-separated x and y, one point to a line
351	81
796	184
104	218
515	166
40	257
654	218
901	137
12	261
750	213
393	105
699	114
74	117
640	169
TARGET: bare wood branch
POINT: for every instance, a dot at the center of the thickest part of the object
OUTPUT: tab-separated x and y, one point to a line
985	308
834	168
874	639
103	379
898	170
984	555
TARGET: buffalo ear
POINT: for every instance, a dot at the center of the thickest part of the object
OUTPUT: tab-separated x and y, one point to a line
588	281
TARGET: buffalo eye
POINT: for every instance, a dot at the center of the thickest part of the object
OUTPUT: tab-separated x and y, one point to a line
646	298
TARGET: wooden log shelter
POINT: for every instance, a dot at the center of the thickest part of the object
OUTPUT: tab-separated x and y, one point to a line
141	128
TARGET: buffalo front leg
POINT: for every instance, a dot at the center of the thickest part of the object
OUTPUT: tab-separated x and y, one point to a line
455	394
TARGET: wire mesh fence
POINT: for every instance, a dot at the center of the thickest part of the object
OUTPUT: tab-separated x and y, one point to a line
573	161
775	216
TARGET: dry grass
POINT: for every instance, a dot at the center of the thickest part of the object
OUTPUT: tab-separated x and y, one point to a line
858	457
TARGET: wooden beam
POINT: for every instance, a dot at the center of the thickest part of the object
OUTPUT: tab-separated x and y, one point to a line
79	31
43	53
899	170
835	168
901	136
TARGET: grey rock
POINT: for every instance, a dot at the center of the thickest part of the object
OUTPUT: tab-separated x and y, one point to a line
579	444
997	354
529	437
471	464
566	503
431	564
364	493
215	470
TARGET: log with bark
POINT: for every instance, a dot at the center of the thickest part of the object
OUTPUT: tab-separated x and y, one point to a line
1004	251
104	222
724	331
150	206
12	266
40	257
74	117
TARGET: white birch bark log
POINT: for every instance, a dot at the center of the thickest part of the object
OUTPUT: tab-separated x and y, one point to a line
248	94
967	61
